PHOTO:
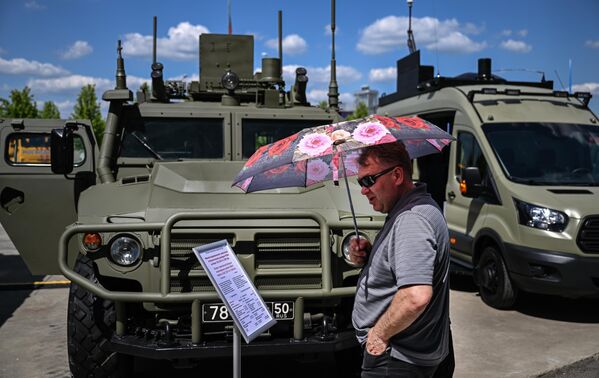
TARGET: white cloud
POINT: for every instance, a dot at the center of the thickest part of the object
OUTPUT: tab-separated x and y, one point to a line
389	33
180	44
34	5
345	74
594	44
506	33
315	96
293	44
77	50
456	43
586	87
72	83
2	51
523	33
20	66
382	74
516	46
65	108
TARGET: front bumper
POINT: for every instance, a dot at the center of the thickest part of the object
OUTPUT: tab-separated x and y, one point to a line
140	347
547	272
195	345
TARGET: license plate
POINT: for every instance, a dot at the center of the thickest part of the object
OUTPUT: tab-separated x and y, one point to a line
217	312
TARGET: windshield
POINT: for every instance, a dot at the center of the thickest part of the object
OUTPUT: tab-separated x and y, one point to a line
547	153
174	138
259	132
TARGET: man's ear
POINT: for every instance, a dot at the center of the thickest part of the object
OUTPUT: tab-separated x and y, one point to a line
399	175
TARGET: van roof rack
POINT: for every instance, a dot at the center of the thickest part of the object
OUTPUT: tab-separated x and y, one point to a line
414	79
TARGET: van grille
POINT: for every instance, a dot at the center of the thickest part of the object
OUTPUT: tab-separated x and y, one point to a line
273	252
588	237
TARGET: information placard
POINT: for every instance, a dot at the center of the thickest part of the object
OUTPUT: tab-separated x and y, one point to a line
236	290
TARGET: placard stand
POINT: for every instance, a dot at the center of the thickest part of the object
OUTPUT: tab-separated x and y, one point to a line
250	315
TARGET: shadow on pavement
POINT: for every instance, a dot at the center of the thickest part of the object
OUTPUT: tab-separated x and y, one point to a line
579	310
13	271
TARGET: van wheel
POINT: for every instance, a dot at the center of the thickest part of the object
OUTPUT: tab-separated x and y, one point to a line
494	284
90	324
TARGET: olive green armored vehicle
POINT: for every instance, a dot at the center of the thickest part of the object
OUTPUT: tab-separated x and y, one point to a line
159	185
519	187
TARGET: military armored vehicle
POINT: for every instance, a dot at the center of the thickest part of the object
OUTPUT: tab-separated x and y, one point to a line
159	185
520	185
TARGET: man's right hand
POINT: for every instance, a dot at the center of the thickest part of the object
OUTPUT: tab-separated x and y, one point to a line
359	250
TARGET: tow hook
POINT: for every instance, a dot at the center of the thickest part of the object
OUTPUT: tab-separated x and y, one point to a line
168	339
327	330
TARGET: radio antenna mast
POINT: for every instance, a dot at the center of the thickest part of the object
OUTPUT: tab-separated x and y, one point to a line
411	41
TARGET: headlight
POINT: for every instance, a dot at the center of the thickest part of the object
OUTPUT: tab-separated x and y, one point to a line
345	246
540	217
125	250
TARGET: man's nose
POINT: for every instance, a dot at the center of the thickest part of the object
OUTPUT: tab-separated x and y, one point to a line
364	190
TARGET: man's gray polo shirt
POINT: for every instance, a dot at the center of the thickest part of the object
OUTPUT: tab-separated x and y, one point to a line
411	249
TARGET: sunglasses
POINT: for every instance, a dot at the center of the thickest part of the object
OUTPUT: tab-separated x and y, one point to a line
368	181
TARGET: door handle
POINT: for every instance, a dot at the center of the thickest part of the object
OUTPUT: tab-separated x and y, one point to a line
451	195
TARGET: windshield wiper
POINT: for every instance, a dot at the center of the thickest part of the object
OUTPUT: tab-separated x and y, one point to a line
142	139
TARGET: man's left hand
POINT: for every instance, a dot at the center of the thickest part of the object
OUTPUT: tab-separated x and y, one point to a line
374	344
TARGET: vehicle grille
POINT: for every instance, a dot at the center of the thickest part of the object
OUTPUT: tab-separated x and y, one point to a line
588	237
276	253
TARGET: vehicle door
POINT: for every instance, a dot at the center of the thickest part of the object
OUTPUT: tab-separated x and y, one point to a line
465	216
35	204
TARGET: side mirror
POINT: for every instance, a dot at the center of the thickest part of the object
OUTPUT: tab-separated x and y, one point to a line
61	150
470	185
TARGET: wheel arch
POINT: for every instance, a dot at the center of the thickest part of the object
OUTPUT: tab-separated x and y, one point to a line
484	238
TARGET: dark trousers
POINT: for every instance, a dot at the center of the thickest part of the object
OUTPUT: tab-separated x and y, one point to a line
387	366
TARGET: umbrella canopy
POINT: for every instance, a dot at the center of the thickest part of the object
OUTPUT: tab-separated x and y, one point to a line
328	152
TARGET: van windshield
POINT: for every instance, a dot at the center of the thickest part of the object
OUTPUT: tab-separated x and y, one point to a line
547	153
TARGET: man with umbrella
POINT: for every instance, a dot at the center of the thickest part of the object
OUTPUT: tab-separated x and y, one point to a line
401	310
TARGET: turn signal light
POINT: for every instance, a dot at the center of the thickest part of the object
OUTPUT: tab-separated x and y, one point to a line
463	188
92	241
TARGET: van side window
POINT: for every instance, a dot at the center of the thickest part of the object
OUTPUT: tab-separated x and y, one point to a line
469	154
33	149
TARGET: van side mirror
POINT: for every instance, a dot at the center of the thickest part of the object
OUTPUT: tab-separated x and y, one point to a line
61	150
470	185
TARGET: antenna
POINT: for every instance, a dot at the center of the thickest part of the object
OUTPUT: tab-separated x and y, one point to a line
121	77
411	41
333	87
560	80
281	42
154	41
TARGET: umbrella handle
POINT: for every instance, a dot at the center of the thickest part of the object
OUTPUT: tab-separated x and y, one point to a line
351	205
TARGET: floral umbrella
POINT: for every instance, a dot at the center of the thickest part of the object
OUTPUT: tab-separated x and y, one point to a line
316	154
313	155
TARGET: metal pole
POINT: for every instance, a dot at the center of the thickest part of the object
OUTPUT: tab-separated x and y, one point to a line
236	353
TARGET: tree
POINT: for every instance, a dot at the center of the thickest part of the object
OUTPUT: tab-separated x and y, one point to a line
21	104
88	107
361	111
323	105
50	111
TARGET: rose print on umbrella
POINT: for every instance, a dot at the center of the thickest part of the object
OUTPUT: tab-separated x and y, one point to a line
369	133
314	154
315	144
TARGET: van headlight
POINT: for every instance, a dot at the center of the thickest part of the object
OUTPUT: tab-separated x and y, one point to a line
540	217
125	250
345	246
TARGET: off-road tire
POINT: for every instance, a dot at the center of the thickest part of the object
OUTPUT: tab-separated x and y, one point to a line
90	324
494	283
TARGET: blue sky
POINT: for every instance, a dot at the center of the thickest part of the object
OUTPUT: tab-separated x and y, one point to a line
57	46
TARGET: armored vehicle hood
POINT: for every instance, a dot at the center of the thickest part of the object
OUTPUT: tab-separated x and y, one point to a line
192	185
